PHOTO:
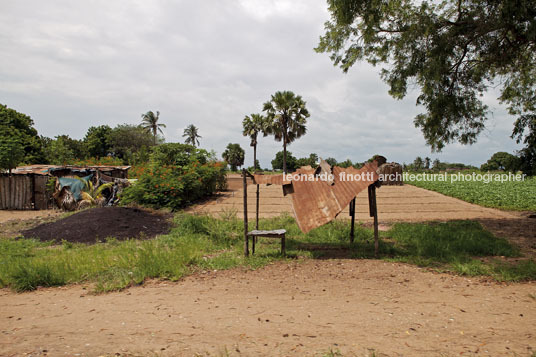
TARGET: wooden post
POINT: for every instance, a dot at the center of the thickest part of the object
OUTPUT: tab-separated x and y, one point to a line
352	214
33	191
374	213
246	238
257	210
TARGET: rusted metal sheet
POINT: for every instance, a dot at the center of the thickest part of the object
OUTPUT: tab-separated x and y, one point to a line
48	169
318	201
269	179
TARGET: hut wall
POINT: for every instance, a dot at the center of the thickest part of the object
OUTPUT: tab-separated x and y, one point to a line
392	174
23	192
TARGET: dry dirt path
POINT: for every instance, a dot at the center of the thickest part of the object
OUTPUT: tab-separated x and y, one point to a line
10	215
299	308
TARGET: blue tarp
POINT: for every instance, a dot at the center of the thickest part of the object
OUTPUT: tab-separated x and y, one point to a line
76	186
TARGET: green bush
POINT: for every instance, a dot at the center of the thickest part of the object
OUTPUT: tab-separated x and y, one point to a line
177	176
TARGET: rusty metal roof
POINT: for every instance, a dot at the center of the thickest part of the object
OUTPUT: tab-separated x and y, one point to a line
47	169
317	202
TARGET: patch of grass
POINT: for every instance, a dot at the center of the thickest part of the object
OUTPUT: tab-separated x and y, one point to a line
450	241
198	243
195	243
456	246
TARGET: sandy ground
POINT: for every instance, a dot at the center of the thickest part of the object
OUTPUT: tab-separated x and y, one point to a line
301	308
10	215
357	307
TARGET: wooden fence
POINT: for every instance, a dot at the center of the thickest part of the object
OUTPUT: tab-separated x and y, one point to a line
24	192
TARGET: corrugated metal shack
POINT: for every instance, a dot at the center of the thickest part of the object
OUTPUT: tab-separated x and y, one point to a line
26	187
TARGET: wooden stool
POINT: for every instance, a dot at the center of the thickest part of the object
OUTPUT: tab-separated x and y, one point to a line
278	233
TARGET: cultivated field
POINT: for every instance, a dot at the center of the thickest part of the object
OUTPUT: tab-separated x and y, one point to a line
511	195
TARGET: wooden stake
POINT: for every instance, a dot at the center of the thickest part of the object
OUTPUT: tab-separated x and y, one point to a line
257	211
246	239
375	214
352	214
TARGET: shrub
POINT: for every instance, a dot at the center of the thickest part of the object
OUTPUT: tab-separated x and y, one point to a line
96	161
178	155
177	176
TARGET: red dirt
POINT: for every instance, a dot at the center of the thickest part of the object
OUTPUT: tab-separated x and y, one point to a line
297	308
92	225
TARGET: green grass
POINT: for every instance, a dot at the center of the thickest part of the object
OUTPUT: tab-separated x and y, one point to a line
459	246
510	195
199	243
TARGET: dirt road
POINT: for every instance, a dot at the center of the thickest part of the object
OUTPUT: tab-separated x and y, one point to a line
301	308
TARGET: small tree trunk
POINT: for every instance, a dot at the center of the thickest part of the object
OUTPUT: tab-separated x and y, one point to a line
284	154
254	157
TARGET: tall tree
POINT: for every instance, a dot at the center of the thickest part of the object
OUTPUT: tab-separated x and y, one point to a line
418	163
501	161
277	162
19	126
234	155
287	115
97	140
149	122
436	165
427	162
253	125
60	151
452	50
192	135
131	143
11	150
527	155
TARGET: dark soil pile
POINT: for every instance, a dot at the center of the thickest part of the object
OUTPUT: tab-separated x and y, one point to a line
96	224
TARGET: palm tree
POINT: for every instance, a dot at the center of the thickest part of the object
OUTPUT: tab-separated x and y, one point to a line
149	122
286	116
234	155
427	161
253	125
191	135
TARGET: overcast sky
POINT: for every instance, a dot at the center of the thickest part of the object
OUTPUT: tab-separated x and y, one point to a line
75	64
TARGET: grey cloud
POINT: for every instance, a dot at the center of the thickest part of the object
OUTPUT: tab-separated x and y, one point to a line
71	65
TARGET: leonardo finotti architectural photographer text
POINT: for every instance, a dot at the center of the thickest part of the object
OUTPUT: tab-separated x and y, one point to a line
406	176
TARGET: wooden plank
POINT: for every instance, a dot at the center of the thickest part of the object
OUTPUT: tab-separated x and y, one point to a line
375	215
257	210
24	192
12	188
352	224
5	188
269	234
29	192
8	192
19	194
3	204
32	191
38	192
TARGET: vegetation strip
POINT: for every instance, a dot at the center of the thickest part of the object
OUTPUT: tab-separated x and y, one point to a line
198	243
